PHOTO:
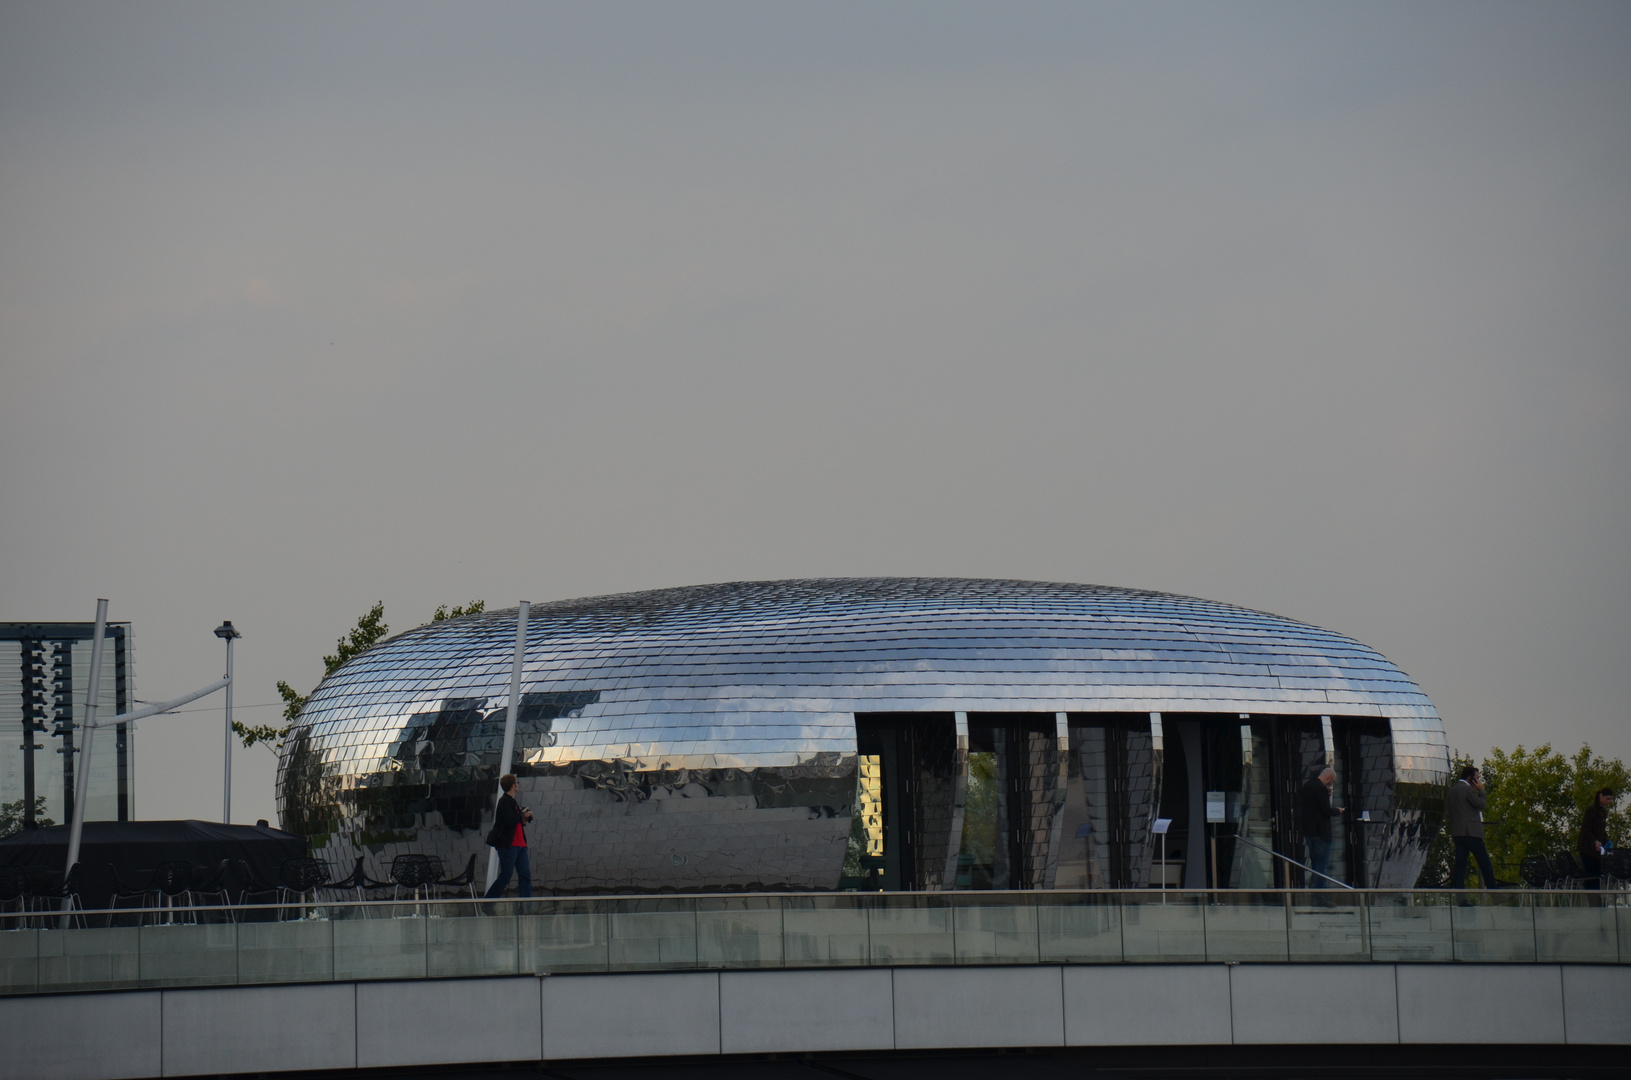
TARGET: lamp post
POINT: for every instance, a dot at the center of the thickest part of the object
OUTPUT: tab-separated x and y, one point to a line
226	632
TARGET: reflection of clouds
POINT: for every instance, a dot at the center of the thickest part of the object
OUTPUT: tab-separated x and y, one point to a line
706	737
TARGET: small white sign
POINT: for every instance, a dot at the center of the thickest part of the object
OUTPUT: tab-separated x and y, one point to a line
1216	806
1161	825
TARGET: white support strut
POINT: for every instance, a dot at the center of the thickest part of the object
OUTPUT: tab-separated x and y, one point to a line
82	775
164	706
523	609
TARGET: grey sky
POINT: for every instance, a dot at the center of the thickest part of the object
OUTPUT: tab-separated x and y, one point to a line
1321	309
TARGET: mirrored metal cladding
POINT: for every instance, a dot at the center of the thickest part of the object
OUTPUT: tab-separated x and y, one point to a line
872	733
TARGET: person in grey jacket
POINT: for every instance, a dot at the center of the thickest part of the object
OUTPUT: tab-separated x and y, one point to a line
1464	811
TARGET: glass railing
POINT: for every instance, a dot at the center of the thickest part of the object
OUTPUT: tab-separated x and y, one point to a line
362	940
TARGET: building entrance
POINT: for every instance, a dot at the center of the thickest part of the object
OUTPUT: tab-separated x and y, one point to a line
1009	806
906	768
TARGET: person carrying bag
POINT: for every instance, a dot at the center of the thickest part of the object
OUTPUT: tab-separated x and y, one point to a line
508	837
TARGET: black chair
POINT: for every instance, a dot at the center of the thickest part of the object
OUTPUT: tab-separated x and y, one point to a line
465	881
13	888
252	890
354	883
415	873
301	878
1535	872
1562	870
213	890
126	895
1617	870
171	886
49	895
1582	879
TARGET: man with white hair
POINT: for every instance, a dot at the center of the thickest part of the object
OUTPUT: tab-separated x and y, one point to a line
1314	813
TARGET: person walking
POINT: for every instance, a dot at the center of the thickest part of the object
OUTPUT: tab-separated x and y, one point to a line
1594	834
1314	813
1464	810
509	838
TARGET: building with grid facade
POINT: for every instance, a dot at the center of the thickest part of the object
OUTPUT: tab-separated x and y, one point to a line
44	674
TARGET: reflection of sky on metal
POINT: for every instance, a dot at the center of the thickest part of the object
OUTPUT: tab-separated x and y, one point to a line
686	738
1320	310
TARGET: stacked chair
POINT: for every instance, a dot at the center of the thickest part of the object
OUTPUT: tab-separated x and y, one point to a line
300	879
213	891
171	887
1535	872
13	891
1617	870
355	885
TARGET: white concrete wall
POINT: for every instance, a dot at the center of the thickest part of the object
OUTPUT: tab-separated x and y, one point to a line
150	1033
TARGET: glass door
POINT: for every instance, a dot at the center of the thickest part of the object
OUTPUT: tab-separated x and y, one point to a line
1009	804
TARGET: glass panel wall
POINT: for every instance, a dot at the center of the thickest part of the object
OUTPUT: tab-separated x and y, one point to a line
1109	804
44	679
1009	803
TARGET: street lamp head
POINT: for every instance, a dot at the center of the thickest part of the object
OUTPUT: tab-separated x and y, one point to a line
226	630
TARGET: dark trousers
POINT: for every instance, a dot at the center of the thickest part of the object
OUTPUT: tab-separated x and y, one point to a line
511	860
1319	859
1474	845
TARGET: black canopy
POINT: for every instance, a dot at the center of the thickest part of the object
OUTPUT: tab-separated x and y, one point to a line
136	847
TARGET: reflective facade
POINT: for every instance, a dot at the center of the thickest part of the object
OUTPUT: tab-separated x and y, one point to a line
872	733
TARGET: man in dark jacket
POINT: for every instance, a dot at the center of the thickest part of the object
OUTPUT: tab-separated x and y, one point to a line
1314	814
1464	813
1594	834
509	838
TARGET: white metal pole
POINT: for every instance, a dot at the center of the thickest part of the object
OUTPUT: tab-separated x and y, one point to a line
162	707
226	781
522	613
82	775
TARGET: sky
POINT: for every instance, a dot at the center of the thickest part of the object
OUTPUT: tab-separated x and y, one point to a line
1322	309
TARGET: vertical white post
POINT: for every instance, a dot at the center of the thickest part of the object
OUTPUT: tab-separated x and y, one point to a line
226	774
959	802
522	612
83	773
1056	832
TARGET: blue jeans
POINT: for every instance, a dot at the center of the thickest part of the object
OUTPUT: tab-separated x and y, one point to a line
1319	857
511	860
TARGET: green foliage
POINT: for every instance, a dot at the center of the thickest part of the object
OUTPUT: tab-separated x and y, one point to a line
1538	797
1536	800
474	607
370	629
11	816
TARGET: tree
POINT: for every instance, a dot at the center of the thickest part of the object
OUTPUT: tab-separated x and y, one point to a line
474	607
1537	798
11	816
370	628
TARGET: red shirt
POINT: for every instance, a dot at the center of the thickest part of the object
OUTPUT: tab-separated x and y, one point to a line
520	835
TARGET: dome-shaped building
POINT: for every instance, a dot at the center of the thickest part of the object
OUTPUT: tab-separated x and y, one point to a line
897	733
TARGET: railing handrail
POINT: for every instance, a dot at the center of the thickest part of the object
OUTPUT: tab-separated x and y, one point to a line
1294	862
954	898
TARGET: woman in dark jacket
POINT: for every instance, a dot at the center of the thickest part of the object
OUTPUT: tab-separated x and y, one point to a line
509	839
1594	833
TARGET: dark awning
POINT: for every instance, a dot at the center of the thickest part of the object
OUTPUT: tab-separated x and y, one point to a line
136	847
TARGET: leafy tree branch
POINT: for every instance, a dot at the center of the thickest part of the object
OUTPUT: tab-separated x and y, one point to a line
370	629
